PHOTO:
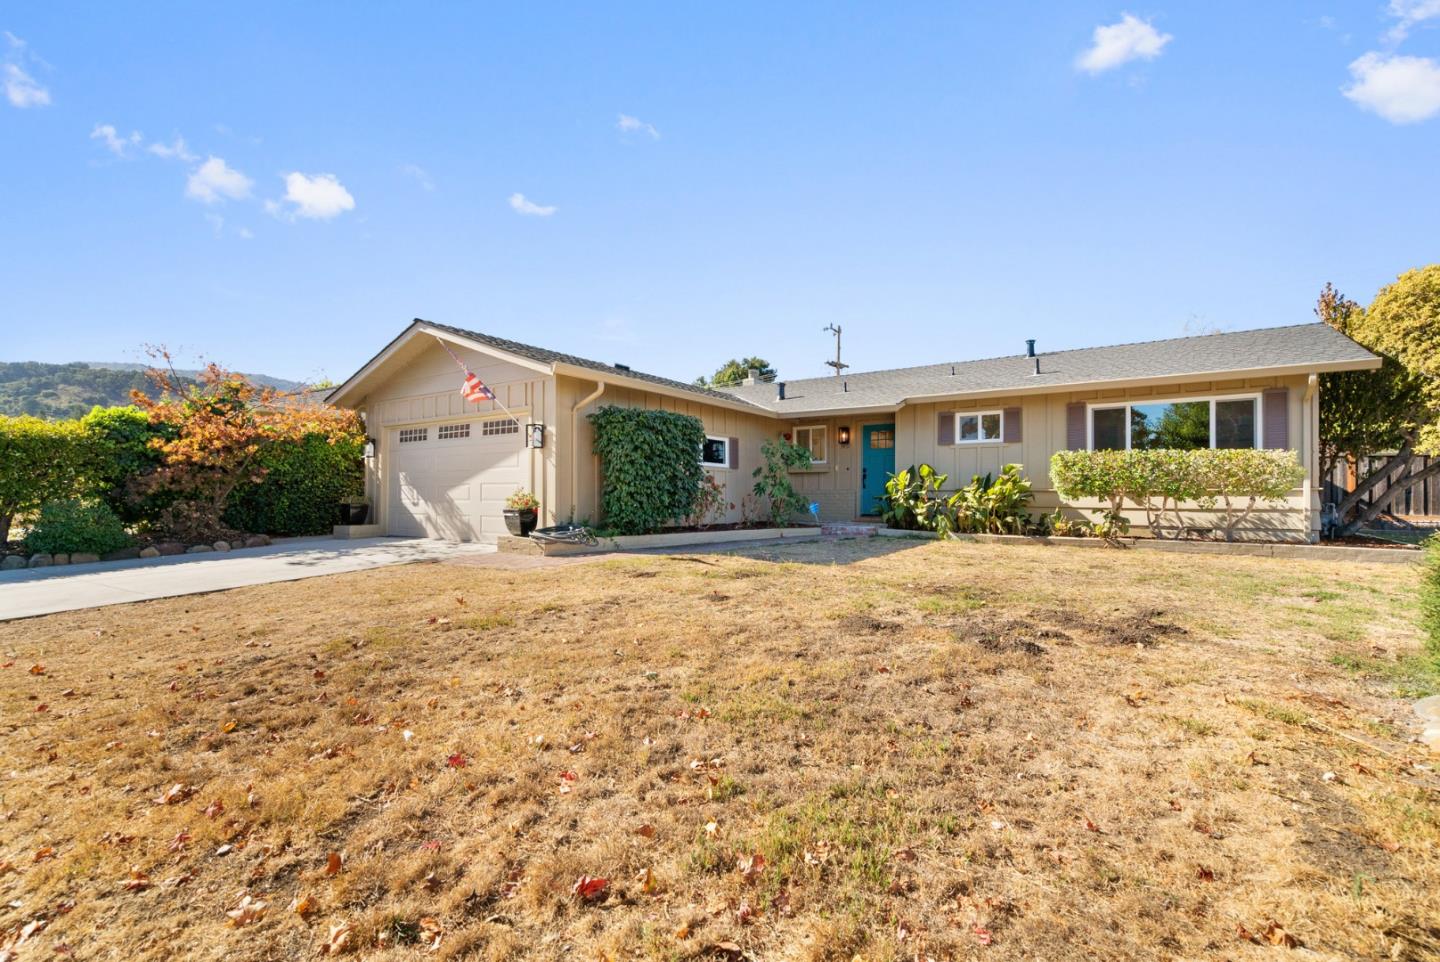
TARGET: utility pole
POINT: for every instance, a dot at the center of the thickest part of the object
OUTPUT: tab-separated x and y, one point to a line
836	364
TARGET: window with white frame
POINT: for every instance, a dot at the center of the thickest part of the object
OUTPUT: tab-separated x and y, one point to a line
499	426
1187	425
410	435
715	452
979	427
448	432
812	439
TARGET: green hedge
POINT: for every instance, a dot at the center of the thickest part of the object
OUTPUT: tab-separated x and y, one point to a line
75	525
1230	481
120	451
40	461
303	486
650	463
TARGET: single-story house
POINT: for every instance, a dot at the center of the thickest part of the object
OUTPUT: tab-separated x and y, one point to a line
441	466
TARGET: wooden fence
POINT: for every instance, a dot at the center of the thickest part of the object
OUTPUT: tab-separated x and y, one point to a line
1418	501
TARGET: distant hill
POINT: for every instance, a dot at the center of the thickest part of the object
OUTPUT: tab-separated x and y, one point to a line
69	390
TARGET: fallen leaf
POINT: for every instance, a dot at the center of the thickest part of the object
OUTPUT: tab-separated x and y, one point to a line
137	882
983	935
588	888
338	938
750	866
333	863
37	669
646	831
41	854
647	882
215	809
227	728
1204	874
1091	826
176	794
249	910
1275	934
302	905
456	760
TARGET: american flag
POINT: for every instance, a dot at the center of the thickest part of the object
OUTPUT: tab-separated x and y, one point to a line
474	389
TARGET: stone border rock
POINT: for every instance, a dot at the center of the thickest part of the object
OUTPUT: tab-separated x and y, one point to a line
41	559
1297	551
513	545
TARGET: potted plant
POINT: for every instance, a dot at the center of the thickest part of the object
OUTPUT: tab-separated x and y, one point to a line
520	513
354	510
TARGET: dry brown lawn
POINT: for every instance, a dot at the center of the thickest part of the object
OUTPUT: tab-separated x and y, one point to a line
878	749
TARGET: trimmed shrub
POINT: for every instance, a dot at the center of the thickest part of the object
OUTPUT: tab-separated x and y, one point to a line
304	482
39	461
73	525
120	452
1233	481
650	467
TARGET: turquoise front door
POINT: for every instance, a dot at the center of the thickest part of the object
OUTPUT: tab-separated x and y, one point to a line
877	463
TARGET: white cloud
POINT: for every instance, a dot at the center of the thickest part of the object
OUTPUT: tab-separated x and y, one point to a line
116	144
421	175
314	196
1401	89
22	90
1409	13
1120	43
629	125
528	208
177	149
246	233
214	180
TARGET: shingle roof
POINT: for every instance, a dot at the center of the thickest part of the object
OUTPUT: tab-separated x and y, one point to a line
1209	354
546	356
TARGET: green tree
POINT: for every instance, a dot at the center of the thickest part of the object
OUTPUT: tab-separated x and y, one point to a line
1395	408
734	371
40	461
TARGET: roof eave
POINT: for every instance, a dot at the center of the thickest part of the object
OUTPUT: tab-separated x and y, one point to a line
640	384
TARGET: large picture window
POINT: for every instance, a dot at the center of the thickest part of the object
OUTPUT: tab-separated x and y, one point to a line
812	439
1186	425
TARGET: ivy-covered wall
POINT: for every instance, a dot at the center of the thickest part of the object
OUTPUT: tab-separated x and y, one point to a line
649	466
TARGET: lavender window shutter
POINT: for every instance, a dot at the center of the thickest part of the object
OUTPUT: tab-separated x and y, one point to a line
1011	433
1275	418
732	449
1075	426
945	429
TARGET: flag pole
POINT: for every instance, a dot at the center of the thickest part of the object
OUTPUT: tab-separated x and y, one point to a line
461	364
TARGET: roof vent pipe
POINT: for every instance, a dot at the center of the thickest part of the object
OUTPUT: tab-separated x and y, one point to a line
846	387
1030	347
1037	365
779	390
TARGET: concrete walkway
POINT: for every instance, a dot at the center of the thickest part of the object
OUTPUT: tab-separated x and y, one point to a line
43	591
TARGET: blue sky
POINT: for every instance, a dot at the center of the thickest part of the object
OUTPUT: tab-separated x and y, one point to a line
281	187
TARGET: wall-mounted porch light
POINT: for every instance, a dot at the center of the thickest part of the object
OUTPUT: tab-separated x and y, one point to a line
844	435
535	435
369	449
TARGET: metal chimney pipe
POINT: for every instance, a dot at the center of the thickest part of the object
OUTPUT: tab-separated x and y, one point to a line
779	390
1030	347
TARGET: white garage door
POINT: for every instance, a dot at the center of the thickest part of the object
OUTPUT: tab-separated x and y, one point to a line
450	480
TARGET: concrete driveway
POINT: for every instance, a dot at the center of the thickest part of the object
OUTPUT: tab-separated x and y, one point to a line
43	591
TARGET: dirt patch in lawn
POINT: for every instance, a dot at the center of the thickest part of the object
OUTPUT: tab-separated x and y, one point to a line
817	751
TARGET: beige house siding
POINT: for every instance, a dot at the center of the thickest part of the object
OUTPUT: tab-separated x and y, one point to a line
750	429
421	385
1044	432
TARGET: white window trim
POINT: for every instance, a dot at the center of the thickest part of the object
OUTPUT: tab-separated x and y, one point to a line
812	428
1093	406
715	464
977	415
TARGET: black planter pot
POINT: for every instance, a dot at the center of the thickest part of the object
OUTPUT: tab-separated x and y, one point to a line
353	513
520	521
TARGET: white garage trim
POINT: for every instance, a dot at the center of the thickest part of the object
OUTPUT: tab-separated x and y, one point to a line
449	479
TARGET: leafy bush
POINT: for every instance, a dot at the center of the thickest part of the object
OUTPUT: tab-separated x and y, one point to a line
773	479
522	500
39	461
709	505
988	504
301	486
72	525
650	467
121	450
1162	481
1430	597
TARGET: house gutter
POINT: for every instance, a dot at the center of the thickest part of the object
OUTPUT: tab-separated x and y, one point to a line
1312	457
575	443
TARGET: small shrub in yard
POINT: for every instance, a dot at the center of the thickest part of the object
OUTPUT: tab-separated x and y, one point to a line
39	461
772	479
73	526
